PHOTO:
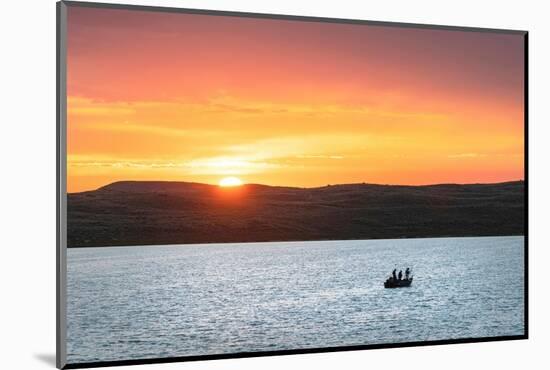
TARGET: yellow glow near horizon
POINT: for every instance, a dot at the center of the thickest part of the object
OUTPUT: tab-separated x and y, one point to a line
230	181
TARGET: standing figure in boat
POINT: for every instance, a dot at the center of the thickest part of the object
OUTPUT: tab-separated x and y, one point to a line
397	281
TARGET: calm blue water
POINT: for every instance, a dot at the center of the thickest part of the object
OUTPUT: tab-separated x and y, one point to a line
144	302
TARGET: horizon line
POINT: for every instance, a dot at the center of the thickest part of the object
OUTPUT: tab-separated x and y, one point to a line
298	187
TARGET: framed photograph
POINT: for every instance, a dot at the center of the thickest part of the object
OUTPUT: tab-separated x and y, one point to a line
234	184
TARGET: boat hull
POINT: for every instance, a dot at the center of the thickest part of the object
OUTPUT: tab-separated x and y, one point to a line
398	283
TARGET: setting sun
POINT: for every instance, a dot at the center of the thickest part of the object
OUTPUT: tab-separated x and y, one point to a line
230	181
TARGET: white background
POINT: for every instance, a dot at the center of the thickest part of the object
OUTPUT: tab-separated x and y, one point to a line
27	207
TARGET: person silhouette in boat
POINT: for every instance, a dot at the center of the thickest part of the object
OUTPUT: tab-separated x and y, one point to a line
393	273
407	273
400	276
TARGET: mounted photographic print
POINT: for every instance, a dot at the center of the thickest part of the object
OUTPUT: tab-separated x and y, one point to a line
235	184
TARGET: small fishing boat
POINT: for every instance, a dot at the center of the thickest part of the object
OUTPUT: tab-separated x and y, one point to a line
391	283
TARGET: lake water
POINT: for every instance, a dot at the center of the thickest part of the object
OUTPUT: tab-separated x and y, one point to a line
166	301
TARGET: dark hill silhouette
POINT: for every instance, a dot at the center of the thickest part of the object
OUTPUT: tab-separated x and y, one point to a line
158	212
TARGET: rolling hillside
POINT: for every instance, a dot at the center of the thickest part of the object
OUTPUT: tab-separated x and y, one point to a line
138	213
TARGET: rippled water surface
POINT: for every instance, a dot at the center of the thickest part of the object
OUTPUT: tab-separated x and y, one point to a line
145	302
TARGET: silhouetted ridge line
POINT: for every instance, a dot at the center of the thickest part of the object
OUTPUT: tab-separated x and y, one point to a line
168	185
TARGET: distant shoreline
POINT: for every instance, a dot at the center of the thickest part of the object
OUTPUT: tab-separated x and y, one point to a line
183	245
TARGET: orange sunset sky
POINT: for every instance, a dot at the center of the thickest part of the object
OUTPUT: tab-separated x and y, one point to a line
182	97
